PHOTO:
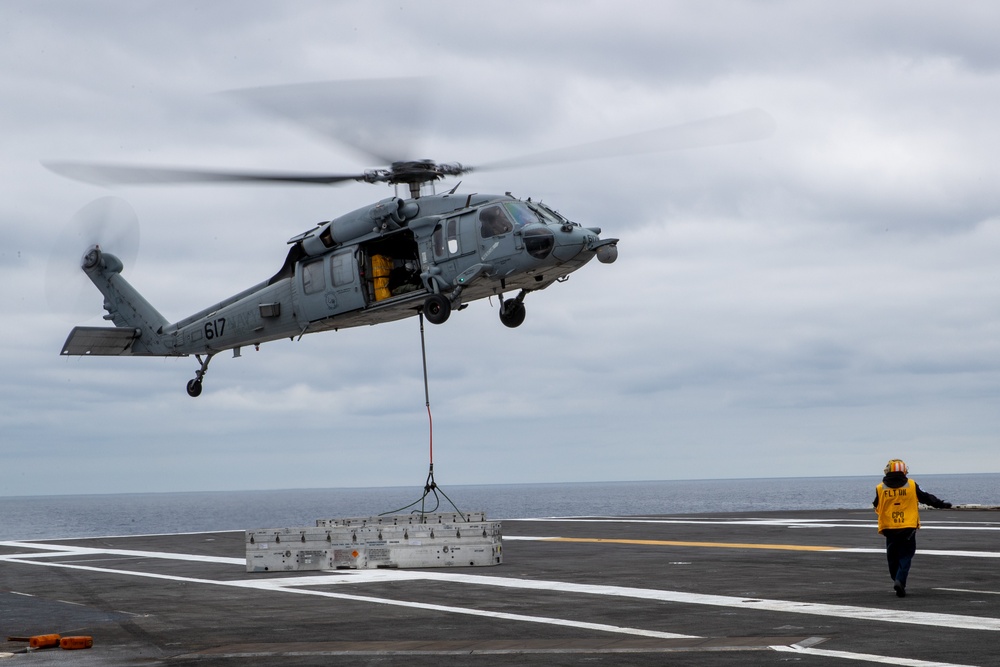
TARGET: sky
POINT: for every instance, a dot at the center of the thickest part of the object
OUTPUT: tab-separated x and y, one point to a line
811	304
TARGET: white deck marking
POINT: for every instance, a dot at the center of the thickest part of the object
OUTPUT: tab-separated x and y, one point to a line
872	614
967	590
788	523
283	586
924	552
727	545
305	585
56	550
865	657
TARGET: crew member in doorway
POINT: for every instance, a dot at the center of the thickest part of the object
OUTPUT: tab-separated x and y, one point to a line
896	500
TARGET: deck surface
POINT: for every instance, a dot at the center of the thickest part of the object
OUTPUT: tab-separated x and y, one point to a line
810	588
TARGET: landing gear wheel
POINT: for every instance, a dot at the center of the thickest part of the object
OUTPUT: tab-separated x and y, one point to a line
512	313
437	308
194	386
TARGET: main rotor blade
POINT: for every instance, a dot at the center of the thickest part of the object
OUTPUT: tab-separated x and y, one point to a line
749	125
383	119
106	174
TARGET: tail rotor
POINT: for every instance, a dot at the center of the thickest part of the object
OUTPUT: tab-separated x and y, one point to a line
111	224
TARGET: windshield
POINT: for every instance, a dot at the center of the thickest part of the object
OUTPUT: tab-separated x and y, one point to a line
548	214
521	214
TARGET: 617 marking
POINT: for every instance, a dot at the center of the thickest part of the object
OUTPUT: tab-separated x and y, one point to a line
215	328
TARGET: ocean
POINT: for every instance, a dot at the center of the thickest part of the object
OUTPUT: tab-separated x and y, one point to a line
48	517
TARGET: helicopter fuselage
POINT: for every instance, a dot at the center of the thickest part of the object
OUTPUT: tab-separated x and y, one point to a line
384	262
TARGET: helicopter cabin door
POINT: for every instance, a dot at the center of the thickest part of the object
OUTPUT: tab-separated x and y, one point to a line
330	285
498	242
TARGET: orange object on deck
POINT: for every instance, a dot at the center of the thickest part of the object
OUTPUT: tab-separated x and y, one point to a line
43	641
76	642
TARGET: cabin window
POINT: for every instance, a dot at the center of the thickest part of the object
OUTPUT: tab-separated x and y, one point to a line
342	268
493	222
312	277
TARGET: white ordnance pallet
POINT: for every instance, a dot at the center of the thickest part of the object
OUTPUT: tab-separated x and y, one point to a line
404	519
377	542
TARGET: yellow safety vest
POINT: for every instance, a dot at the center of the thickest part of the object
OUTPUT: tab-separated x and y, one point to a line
897	508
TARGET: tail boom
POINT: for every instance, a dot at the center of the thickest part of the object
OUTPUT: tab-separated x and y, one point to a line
138	326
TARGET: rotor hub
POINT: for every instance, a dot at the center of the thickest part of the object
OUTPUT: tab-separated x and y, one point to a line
414	172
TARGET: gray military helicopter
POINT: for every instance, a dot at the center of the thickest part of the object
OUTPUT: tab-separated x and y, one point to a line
427	253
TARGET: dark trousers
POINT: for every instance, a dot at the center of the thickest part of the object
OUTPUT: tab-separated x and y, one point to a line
900	545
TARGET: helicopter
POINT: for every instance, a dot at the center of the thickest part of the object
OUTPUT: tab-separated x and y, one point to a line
427	254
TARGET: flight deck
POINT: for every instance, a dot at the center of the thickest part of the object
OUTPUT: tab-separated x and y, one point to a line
803	587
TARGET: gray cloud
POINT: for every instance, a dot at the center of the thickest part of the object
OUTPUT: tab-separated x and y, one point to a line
809	304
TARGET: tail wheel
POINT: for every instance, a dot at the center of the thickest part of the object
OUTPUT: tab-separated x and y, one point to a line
437	308
194	388
512	313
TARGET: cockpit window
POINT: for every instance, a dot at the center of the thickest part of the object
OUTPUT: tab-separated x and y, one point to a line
439	246
548	214
493	222
521	213
453	235
444	246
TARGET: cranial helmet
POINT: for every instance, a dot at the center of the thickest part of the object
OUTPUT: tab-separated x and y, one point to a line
895	465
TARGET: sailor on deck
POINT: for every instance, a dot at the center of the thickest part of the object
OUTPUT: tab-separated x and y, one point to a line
896	502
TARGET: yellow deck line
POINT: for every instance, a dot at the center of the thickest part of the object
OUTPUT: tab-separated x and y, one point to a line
672	543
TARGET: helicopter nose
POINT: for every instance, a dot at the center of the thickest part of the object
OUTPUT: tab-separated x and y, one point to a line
571	242
582	244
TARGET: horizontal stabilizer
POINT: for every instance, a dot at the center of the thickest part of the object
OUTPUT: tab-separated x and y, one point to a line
100	341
